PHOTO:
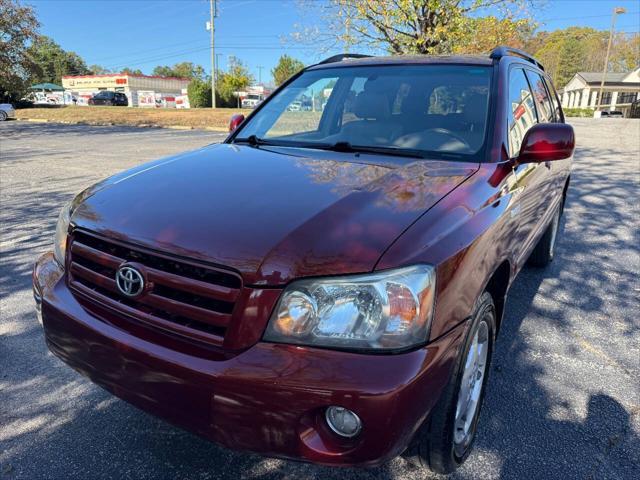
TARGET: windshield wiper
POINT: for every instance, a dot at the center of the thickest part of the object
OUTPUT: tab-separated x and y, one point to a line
252	140
348	148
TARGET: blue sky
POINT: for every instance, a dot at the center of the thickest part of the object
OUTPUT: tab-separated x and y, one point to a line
145	33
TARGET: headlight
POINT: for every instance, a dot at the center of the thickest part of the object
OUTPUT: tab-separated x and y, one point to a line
60	240
382	311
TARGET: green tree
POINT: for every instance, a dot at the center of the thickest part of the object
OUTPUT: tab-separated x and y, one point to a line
199	92
180	70
236	79
625	53
52	62
189	70
163	71
99	70
582	49
287	66
401	26
483	34
131	71
18	27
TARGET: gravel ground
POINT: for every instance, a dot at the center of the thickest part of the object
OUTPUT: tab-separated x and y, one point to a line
563	400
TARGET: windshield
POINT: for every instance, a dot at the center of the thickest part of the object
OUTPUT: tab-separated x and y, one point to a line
436	110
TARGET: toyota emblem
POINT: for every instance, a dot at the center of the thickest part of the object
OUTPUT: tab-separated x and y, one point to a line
130	281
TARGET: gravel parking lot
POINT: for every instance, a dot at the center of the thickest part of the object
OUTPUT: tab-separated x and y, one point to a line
564	394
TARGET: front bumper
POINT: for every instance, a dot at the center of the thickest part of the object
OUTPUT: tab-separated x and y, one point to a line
268	399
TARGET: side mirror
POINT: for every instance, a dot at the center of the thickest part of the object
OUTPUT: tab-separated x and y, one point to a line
235	121
547	141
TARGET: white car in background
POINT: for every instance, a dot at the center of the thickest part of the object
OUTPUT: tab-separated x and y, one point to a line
6	111
252	100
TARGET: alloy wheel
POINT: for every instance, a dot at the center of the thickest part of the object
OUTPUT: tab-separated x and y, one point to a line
471	388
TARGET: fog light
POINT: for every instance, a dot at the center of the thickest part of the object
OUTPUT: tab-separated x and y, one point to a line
343	421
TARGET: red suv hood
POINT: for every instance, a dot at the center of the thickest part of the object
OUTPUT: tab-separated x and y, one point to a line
273	214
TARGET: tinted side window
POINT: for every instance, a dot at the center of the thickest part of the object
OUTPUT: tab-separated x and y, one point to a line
522	113
543	102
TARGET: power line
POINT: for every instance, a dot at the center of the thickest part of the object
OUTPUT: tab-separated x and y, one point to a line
606	15
137	52
190	42
143	60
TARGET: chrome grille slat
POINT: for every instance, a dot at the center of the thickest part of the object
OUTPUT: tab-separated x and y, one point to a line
189	305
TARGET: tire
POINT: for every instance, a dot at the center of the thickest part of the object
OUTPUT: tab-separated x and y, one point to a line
543	252
440	445
3	115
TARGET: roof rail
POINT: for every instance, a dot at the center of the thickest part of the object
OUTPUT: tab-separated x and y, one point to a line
342	56
501	51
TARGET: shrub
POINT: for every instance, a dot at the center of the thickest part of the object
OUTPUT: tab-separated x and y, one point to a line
199	92
578	112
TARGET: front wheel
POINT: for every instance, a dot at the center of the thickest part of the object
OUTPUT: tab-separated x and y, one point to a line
445	440
3	116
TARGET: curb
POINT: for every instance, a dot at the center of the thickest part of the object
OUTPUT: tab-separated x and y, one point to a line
109	124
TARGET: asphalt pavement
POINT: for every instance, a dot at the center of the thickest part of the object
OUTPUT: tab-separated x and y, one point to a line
563	399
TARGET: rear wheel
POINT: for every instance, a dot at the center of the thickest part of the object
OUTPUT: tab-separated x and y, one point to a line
3	115
445	440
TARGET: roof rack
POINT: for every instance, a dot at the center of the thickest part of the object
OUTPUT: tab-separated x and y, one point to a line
342	56
501	51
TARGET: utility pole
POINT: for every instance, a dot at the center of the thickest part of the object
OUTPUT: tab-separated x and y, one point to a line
212	29
616	11
259	67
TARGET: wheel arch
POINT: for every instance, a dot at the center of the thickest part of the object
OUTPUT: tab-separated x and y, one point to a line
566	187
497	286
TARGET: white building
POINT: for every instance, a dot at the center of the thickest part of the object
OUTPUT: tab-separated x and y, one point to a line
620	91
141	90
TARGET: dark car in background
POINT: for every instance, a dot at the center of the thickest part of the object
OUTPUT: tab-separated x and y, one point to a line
611	114
325	285
111	99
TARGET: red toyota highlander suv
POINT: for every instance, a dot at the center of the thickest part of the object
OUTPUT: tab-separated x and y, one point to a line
328	283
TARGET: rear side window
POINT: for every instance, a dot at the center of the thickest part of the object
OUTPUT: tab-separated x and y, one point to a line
541	96
522	113
557	110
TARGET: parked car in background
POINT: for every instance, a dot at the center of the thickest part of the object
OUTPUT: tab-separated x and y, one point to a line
612	114
108	98
329	287
295	106
252	100
6	111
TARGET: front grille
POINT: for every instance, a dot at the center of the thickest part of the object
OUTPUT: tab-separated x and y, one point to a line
182	297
